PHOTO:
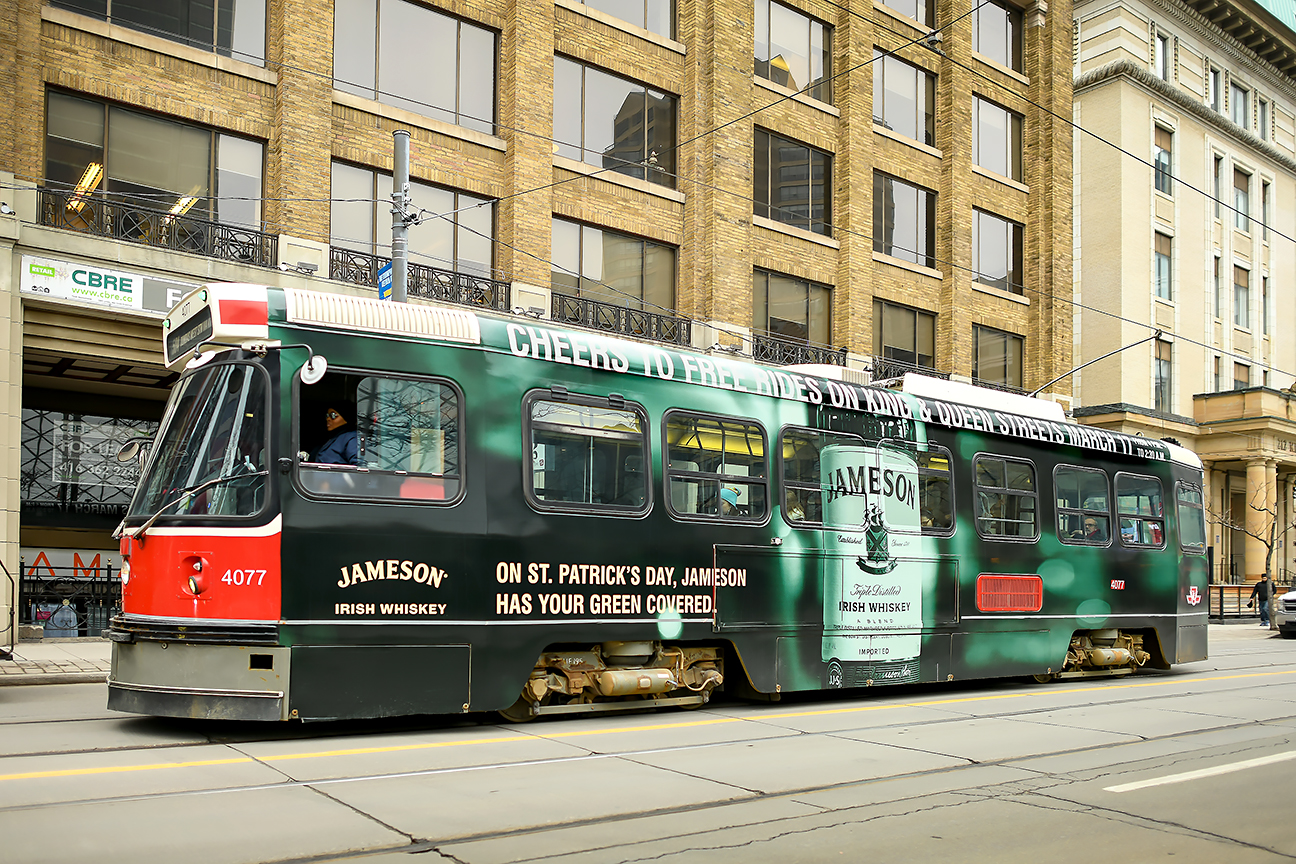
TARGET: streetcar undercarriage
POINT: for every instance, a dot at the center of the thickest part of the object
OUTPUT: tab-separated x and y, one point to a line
618	676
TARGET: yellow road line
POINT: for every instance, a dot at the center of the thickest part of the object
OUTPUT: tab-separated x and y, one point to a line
578	733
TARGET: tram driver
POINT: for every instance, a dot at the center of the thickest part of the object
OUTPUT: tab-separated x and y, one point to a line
342	447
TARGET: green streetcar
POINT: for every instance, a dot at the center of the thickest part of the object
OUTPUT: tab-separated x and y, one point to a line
361	509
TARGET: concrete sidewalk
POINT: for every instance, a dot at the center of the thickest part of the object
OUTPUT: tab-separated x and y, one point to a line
85	661
57	661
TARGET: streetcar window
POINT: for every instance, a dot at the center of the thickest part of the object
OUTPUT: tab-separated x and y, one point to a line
934	481
1083	509
369	436
212	446
586	454
1139	510
1192	522
802	473
715	468
1006	498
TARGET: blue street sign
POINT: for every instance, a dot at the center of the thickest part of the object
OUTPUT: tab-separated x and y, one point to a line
385	282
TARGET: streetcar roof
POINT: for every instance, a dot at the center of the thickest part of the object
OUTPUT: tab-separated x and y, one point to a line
947	403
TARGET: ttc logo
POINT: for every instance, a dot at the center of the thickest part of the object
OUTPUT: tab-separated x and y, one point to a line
1193	597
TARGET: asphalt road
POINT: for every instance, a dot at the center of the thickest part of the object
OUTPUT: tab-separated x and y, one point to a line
1195	765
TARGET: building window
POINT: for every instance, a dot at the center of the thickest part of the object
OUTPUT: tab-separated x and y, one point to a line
904	220
1162	248
997	33
418	59
70	476
360	219
997	138
1219	184
1214	90
793	183
1264	210
922	11
1219	289
715	468
1161	375
1240	106
153	163
904	98
1219	384
1241	376
904	334
996	357
997	252
1241	297
793	49
231	28
1264	305
612	268
1241	199
1262	119
1161	151
655	16
613	123
793	309
1161	56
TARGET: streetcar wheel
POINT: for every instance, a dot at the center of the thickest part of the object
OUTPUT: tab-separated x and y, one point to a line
1042	679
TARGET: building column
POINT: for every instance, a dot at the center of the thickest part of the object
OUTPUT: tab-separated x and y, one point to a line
10	424
1258	495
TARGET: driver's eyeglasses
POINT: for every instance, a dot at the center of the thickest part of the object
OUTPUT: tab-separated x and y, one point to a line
333	415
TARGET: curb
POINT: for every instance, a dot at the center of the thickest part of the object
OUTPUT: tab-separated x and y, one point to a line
54	678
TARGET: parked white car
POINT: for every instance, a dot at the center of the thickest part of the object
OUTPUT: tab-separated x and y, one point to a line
1285	615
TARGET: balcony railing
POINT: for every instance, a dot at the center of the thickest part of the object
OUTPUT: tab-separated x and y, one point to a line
132	223
611	318
428	283
889	367
995	385
785	352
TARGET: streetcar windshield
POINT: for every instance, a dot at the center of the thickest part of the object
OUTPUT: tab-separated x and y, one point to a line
213	436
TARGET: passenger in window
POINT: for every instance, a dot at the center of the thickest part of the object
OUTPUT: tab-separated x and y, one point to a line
1093	532
343	444
934	506
795	512
728	502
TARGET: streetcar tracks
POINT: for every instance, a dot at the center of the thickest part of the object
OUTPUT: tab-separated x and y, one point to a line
280	763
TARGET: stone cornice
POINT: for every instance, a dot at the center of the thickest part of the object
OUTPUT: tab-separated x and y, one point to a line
1180	99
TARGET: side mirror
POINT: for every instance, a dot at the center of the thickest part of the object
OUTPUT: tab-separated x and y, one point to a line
129	451
314	369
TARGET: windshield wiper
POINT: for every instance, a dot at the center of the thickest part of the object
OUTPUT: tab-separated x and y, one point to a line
138	533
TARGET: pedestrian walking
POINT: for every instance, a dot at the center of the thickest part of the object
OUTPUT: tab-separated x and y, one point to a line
1260	594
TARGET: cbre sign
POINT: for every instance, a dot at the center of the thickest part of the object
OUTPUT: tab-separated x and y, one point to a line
99	286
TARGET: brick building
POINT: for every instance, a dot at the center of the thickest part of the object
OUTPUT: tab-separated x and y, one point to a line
735	175
1201	243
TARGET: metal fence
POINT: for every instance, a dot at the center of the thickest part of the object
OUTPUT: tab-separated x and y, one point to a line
611	318
67	602
887	367
785	352
428	283
1230	601
133	223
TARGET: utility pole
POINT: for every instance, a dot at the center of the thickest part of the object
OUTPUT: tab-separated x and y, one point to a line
400	227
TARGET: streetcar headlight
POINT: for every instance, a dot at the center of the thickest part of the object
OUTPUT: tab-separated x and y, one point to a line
196	584
125	571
